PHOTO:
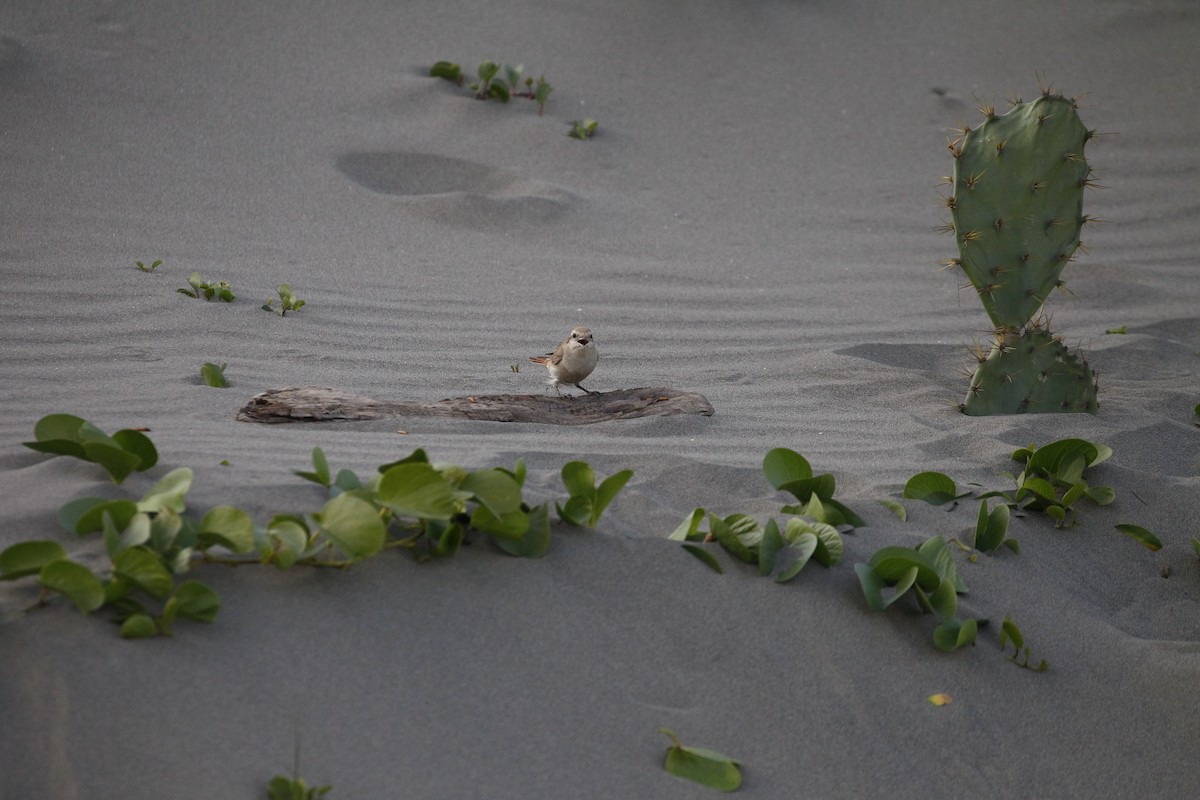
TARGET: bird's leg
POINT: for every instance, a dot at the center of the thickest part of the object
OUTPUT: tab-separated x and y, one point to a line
586	391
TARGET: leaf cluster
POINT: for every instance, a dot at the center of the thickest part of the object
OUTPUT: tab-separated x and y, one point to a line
412	504
149	544
287	301
1051	483
198	287
498	82
780	552
124	452
929	572
148	267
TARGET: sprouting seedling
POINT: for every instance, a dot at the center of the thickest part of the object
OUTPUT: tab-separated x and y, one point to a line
991	529
214	375
541	93
487	86
282	787
287	301
447	70
588	501
1124	329
148	267
221	290
583	129
1010	633
120	454
699	764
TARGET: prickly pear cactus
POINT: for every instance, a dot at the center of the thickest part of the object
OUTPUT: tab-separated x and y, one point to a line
1028	372
1017	211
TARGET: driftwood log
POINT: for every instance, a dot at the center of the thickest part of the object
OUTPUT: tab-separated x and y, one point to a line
312	404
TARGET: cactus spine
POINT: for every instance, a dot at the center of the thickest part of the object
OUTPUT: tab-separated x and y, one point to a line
1017	210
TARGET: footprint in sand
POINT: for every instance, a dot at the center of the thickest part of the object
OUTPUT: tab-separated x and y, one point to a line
457	191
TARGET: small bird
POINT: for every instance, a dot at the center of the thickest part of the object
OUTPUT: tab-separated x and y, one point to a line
572	361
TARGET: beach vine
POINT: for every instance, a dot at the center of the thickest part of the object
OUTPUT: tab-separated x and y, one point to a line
426	509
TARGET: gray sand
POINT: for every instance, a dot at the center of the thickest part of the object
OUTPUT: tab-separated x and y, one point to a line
753	222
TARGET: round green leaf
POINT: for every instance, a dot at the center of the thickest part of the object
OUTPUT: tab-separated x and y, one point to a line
144	570
196	601
138	444
233	526
782	465
89	517
75	581
117	462
58	427
934	488
28	558
494	489
168	492
138	626
893	563
353	525
415	489
579	479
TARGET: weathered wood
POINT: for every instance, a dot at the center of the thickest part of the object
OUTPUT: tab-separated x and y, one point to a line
313	404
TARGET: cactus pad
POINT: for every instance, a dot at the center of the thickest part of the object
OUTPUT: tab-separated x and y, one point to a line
1031	372
1018	204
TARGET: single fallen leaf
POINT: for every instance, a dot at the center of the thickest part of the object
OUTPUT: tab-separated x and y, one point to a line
941	699
701	765
402	433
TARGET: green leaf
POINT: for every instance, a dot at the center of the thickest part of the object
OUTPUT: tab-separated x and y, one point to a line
576	511
214	375
28	558
1009	632
75	581
729	539
494	489
944	601
894	563
512	525
689	529
872	586
782	466
772	542
709	559
230	527
144	570
139	626
1140	534
1100	495
606	491
535	542
791	559
953	634
353	525
116	462
937	553
138	444
416	489
196	601
168	492
579	479
447	70
1196	546
1039	488
320	471
934	488
487	71
86	514
991	527
702	766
